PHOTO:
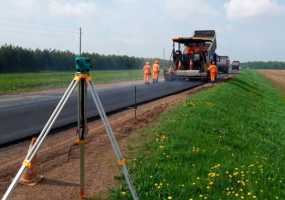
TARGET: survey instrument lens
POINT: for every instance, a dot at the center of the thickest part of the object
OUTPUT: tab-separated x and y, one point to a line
82	64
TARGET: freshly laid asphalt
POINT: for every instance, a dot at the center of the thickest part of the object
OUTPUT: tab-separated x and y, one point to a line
21	119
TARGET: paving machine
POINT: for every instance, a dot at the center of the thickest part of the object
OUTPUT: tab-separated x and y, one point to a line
224	64
191	56
236	65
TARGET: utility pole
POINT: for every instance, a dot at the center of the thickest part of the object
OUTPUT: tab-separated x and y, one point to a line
80	39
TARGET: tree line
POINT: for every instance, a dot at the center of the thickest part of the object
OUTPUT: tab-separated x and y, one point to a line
263	65
18	59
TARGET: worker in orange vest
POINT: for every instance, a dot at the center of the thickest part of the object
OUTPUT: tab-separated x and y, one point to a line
147	72
155	71
213	71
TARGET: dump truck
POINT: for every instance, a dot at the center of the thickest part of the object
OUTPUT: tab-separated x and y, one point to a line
191	56
224	64
236	65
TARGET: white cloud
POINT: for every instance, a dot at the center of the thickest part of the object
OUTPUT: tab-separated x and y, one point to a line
239	9
71	8
182	9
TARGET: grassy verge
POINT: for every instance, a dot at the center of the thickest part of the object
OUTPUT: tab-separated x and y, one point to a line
25	82
224	143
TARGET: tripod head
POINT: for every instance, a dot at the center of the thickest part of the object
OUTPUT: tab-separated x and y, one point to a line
82	64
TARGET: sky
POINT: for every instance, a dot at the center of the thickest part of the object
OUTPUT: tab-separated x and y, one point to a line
247	30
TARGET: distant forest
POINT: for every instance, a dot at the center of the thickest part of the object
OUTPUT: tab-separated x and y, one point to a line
264	65
18	59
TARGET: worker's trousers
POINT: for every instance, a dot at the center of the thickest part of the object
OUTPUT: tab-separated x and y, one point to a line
146	78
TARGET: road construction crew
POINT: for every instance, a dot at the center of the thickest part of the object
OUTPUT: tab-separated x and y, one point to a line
147	72
155	71
213	71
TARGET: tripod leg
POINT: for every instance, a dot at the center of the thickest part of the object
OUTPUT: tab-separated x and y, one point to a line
114	143
82	130
39	141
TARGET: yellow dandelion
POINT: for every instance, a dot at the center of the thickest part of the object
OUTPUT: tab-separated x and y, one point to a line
212	174
235	173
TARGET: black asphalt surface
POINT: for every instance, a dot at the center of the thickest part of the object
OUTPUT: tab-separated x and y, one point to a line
23	119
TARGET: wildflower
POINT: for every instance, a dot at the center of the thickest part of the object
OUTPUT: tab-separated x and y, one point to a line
212	174
123	193
170	197
235	173
216	166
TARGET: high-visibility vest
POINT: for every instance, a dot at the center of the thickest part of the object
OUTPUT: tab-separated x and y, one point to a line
155	68
213	68
146	69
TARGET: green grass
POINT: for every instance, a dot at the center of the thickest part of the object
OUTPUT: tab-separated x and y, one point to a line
25	82
227	142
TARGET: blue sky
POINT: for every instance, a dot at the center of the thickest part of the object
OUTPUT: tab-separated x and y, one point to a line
247	30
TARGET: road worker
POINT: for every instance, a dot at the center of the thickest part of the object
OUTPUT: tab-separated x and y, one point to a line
155	71
147	72
213	71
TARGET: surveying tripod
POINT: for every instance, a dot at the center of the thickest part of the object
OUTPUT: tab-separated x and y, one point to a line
82	78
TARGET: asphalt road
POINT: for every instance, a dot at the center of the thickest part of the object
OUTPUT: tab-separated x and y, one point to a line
20	119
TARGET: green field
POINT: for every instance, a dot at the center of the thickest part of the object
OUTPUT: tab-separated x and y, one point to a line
227	142
25	82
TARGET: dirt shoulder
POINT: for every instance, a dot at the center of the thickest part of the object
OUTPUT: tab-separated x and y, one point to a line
59	159
276	76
